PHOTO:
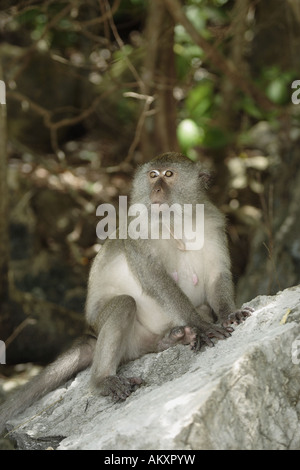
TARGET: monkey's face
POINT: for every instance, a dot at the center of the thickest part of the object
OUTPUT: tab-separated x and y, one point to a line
162	182
170	178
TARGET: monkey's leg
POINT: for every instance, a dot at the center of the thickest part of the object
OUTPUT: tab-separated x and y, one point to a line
227	312
114	340
77	358
221	299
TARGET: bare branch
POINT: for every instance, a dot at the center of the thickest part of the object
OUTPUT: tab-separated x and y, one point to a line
104	17
215	57
48	115
139	128
121	46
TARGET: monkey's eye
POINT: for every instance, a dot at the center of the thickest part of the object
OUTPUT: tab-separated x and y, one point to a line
153	174
168	173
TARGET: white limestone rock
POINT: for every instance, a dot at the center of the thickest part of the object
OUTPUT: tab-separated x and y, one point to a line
241	394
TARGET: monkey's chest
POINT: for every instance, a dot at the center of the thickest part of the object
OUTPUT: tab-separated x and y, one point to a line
188	273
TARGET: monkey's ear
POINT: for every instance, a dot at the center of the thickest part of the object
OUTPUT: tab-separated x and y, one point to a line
206	178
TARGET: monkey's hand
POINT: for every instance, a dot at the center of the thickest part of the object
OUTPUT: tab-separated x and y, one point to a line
237	317
119	387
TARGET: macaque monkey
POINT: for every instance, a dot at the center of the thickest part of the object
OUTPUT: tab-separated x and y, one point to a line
145	295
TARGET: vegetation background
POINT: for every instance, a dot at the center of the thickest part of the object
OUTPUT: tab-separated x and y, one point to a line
95	87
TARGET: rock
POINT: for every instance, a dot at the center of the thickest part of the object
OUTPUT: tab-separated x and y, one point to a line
241	394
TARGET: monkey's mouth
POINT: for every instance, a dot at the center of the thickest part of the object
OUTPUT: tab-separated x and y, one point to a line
157	202
159	206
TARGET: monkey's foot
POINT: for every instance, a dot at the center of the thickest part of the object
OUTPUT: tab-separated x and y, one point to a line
238	317
219	332
178	335
118	387
182	335
209	331
195	336
199	338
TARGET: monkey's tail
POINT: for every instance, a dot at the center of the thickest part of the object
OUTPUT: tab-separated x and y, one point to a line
77	358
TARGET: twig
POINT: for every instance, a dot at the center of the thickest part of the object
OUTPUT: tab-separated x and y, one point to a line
24	6
48	115
142	86
138	132
32	104
28	54
105	22
121	46
17	331
100	19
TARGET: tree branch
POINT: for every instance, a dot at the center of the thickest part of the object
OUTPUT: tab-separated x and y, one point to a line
48	115
121	46
145	112
216	58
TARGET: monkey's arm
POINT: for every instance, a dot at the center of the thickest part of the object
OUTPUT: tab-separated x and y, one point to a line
223	303
220	289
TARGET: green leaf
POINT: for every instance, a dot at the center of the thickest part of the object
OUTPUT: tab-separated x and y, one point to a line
189	134
200	99
278	91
